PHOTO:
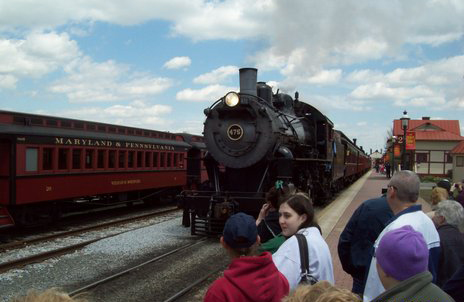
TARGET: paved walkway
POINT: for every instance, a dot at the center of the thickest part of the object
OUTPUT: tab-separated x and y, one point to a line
367	187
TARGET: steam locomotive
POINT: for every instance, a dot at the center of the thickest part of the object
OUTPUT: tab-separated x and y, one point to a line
254	139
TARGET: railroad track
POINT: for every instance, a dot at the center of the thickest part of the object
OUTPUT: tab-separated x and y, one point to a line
172	276
26	242
131	269
180	293
5	266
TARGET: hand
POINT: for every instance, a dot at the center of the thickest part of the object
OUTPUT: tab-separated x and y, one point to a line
263	212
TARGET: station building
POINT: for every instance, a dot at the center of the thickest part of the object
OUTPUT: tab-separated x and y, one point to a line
458	162
433	147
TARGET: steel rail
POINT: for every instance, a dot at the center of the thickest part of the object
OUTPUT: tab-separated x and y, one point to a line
192	285
60	251
26	242
124	272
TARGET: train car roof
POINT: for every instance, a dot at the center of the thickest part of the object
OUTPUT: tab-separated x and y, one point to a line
350	141
54	122
69	133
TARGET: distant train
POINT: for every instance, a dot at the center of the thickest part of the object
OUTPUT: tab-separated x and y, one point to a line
256	139
49	164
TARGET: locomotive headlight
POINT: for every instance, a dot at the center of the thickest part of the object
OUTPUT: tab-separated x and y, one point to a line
231	99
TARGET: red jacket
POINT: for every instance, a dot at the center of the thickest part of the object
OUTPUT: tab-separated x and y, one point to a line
249	279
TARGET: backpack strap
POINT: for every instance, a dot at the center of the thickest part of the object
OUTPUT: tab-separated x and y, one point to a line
269	228
304	254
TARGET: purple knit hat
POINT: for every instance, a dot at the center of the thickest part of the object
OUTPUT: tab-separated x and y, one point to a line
402	253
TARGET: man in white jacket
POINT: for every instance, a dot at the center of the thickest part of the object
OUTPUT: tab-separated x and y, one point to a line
402	194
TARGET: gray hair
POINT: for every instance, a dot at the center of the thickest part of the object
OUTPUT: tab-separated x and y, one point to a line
407	185
452	211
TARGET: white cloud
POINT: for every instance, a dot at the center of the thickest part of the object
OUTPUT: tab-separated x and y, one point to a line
326	77
7	81
217	75
326	104
384	91
88	81
432	84
300	37
37	54
207	94
136	114
177	63
364	75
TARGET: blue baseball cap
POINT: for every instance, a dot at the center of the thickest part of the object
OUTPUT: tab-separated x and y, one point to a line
240	231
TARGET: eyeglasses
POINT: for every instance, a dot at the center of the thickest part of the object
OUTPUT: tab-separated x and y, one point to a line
392	186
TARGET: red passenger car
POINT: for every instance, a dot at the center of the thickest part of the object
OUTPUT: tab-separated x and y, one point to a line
47	162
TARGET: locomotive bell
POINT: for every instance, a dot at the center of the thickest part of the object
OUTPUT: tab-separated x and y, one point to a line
248	78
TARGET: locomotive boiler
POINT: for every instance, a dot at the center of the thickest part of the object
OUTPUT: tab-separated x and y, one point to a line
255	139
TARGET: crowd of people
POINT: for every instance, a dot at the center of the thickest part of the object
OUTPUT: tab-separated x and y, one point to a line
392	249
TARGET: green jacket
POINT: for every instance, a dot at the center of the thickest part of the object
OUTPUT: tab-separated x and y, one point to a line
272	245
417	288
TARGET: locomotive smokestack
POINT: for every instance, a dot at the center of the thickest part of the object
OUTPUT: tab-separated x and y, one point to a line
248	78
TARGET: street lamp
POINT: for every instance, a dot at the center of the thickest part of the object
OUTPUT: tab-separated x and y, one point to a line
393	139
404	124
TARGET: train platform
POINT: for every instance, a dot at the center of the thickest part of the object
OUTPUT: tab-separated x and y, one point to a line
335	216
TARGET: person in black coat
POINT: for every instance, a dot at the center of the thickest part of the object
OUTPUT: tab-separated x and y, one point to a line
387	169
448	217
356	240
268	218
455	286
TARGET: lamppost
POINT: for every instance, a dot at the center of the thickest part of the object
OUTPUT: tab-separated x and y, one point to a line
393	139
404	124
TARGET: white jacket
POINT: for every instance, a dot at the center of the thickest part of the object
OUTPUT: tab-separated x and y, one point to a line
421	223
287	258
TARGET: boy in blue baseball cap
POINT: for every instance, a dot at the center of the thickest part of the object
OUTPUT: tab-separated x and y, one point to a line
249	277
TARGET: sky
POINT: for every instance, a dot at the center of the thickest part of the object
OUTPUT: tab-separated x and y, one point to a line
156	64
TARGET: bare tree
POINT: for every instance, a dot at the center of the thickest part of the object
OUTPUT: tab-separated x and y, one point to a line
388	138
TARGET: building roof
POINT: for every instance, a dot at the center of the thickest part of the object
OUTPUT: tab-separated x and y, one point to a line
376	154
437	136
431	130
459	149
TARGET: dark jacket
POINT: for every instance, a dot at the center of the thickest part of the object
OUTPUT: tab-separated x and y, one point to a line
452	252
359	235
269	227
460	198
417	288
455	285
249	279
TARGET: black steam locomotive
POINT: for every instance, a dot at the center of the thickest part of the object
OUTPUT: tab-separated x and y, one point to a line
256	138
